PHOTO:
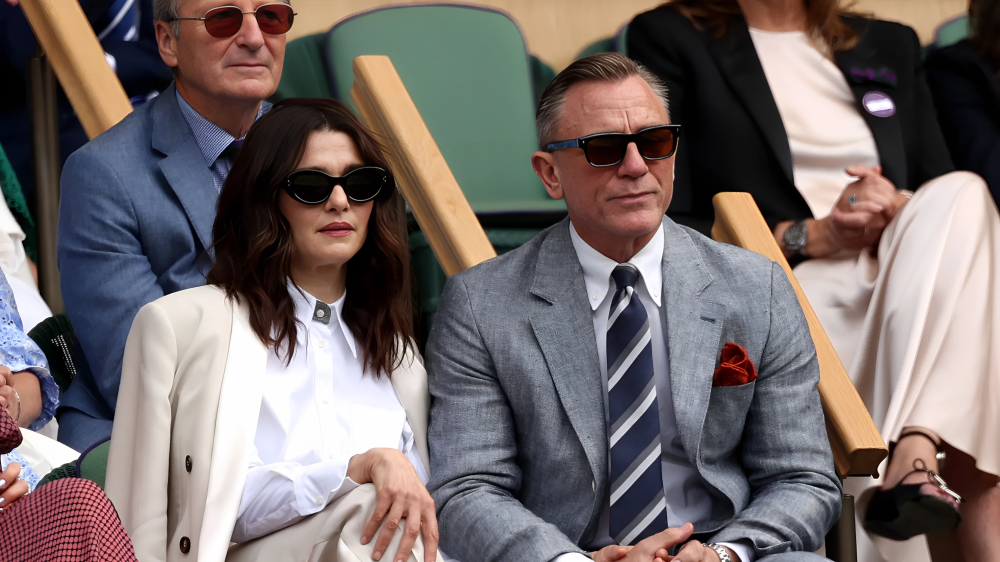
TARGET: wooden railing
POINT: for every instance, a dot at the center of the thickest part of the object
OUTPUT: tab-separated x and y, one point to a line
76	56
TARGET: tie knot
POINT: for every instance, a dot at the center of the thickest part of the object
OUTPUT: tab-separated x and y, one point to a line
625	275
232	150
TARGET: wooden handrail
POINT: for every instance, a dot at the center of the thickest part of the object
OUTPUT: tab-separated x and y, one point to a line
858	447
440	207
78	60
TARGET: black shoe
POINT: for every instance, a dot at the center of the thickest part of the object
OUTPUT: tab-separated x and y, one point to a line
903	512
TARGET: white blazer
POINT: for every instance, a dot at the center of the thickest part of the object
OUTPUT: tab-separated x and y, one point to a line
186	418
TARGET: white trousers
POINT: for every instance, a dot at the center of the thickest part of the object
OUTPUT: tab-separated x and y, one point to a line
918	328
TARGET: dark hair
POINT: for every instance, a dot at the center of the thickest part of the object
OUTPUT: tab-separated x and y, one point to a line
984	22
602	67
822	19
253	243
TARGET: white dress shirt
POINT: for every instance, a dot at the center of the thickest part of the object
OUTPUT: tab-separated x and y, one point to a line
687	498
317	412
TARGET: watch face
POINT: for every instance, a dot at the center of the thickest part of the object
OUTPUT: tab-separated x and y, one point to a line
796	236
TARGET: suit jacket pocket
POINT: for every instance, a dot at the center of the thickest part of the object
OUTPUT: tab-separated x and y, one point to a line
724	421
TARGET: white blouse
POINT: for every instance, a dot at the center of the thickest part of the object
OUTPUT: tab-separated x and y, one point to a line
316	413
826	133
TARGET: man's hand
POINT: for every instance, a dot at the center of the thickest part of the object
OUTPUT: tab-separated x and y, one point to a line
694	551
654	548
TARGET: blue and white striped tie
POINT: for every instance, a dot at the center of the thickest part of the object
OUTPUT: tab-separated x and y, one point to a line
638	507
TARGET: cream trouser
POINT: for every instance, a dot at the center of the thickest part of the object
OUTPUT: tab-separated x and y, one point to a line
332	535
918	328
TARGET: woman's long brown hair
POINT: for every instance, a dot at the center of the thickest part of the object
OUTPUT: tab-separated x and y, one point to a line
984	22
822	19
253	243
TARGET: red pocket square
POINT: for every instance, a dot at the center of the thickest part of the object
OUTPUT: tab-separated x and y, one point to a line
736	368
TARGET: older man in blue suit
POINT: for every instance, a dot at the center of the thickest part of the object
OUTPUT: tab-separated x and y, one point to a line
138	202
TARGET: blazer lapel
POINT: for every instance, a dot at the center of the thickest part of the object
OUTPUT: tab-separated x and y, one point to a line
565	332
737	60
886	130
184	166
410	383
694	329
235	427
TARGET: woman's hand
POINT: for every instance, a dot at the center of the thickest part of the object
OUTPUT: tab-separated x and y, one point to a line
11	489
7	400
23	384
864	209
400	495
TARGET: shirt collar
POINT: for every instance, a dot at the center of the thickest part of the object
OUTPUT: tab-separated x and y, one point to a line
305	307
597	267
211	139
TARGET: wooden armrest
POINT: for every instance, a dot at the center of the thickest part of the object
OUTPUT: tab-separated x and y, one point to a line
858	447
78	61
440	207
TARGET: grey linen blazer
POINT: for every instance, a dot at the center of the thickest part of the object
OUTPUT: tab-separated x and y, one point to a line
518	440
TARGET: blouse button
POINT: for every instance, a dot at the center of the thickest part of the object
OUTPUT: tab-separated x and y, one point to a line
321	344
320	500
185	545
187	463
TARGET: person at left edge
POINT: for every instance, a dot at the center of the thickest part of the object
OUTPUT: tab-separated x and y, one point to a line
138	202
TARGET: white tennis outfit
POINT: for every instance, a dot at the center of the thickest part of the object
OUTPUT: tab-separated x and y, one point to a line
918	325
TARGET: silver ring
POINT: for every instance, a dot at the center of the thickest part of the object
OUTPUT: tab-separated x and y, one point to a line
852	199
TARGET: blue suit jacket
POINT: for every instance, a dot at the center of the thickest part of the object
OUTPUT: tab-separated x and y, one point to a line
135	220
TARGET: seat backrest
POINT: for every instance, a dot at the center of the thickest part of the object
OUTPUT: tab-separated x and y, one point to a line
952	31
304	72
468	73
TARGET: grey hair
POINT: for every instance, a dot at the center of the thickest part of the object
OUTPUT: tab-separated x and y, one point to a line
166	10
602	67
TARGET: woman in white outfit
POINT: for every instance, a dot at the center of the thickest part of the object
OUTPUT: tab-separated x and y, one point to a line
254	410
826	119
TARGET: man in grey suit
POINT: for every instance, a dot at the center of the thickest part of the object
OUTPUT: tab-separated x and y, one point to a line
621	383
138	202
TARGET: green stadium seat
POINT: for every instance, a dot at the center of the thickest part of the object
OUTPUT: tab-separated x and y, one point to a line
952	31
470	76
615	43
476	86
304	72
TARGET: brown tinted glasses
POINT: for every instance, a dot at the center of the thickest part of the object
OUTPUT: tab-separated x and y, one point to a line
608	149
226	21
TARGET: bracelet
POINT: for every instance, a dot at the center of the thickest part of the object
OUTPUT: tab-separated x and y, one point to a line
18	396
720	550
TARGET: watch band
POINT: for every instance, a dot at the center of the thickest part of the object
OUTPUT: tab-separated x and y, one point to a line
721	551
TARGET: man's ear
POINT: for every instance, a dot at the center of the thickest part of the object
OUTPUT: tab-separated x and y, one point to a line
544	165
167	43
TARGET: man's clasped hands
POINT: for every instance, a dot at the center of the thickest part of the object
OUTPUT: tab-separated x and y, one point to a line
655	549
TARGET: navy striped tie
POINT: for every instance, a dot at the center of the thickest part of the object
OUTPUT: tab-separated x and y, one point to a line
638	508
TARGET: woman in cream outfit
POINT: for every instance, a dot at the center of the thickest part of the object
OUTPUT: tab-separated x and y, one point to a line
823	116
280	412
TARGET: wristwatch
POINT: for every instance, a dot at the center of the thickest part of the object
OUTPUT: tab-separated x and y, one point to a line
796	237
721	551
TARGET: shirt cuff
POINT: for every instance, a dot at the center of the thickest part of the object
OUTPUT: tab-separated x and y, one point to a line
572	557
743	550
